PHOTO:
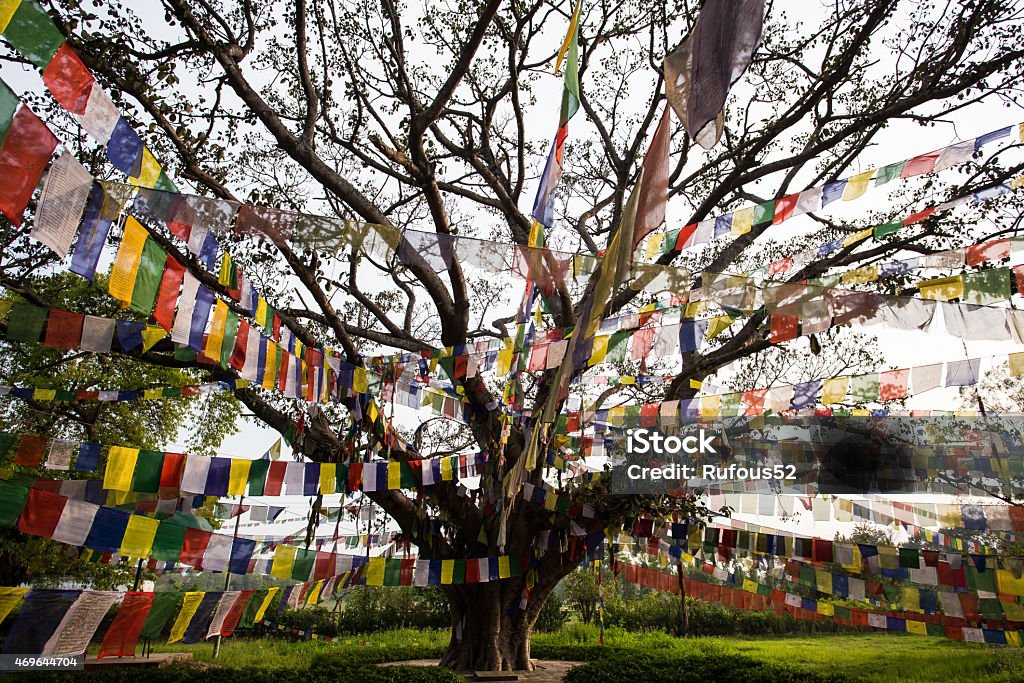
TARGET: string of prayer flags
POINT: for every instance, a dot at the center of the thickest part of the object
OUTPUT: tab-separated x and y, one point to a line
31	32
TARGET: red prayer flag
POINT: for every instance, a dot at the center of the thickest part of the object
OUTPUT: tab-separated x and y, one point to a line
894	384
170	471
918	217
784	208
783	328
68	80
323	567
754	400
235	613
170	288
41	513
194	547
23	157
30	450
993	250
686	236
650	208
237	359
920	164
275	478
123	634
64	329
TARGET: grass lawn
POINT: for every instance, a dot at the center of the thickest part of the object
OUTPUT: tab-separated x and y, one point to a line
848	657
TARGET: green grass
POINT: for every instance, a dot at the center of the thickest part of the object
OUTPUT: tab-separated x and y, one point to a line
866	658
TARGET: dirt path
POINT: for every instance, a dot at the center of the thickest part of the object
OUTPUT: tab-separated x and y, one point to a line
544	671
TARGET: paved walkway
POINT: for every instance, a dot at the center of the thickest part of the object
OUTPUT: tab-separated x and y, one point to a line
544	671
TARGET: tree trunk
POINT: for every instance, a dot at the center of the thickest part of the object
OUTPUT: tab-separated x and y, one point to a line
485	636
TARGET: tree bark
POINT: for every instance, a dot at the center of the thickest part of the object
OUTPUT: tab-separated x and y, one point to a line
489	631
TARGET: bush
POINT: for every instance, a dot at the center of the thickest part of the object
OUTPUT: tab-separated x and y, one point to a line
552	616
616	666
376	609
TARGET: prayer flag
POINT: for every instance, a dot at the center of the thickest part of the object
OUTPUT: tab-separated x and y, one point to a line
23	157
64	196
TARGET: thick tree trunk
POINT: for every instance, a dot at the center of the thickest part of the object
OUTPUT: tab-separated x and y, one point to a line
485	635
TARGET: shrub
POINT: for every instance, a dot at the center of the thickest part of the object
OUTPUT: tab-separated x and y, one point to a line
552	615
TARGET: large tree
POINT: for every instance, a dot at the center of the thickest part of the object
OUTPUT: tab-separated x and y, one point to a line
437	117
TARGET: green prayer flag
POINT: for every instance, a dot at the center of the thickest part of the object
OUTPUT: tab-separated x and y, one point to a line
617	345
459	573
258	476
184	353
147	471
864	388
987	286
341	478
764	212
730	405
7	440
253	606
165	606
303	567
886	229
407	482
8	105
990	607
12	500
164	183
32	33
981	581
910	558
25	322
168	541
228	345
392	572
887	173
147	280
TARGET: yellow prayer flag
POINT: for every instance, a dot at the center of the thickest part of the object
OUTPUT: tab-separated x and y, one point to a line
7	10
314	592
261	309
823	580
749	586
504	568
267	599
710	405
910	598
126	264
717	325
1013	638
834	390
918	627
215	339
238	476
859	276
9	597
284	560
943	288
120	468
858	237
504	361
269	379
44	394
1016	364
188	610
152	394
149	173
394	476
653	246
139	535
446	469
742	220
447	571
696	384
695	308
550	500
375	571
569	34
600	350
857	185
360	385
328	478
1008	583
826	608
151	335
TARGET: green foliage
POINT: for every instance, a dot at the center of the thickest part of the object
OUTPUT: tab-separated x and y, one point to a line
377	609
45	564
552	615
142	424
